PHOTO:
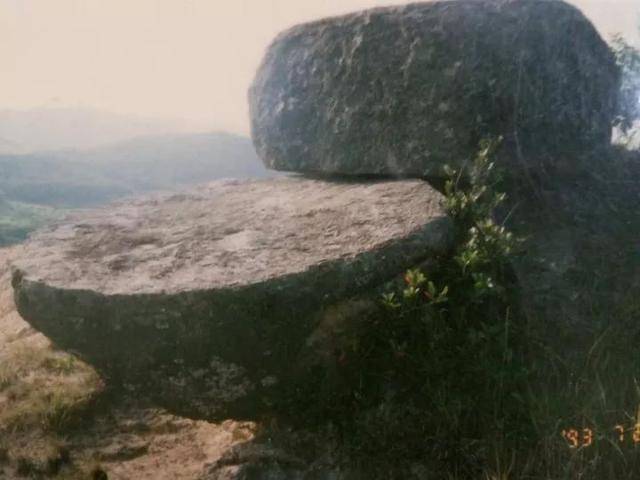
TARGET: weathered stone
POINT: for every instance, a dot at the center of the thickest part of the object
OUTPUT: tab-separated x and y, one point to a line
405	90
579	267
205	298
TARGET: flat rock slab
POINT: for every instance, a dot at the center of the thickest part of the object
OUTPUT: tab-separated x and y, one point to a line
206	297
405	90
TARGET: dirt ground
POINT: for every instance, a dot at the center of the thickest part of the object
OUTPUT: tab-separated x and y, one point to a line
57	419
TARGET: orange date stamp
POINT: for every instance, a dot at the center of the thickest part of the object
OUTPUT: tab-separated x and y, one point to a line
585	437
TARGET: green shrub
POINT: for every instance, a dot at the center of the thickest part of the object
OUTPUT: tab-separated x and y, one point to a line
437	369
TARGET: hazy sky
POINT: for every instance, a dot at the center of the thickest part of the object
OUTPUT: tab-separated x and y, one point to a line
190	59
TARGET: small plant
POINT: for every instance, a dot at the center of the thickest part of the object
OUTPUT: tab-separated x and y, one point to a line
58	411
61	364
436	369
7	376
446	343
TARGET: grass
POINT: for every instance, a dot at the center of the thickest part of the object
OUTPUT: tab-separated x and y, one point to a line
43	388
453	434
597	390
43	393
470	386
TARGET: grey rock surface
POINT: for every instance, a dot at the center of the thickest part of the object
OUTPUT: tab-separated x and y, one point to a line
404	90
579	268
205	298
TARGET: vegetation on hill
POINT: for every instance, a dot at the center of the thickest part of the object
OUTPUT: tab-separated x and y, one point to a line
17	219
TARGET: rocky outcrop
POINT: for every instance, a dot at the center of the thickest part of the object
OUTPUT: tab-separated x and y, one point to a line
206	298
406	90
579	264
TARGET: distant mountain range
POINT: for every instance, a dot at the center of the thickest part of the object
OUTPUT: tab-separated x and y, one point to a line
79	178
17	220
36	186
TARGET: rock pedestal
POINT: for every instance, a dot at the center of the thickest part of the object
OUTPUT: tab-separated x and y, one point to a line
206	298
405	90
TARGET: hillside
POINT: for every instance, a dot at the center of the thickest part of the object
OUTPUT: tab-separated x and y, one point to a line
80	178
167	161
74	179
18	219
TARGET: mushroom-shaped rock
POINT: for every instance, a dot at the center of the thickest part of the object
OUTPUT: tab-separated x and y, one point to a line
406	90
205	298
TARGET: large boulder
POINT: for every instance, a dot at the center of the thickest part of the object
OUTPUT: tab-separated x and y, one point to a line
205	299
405	90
